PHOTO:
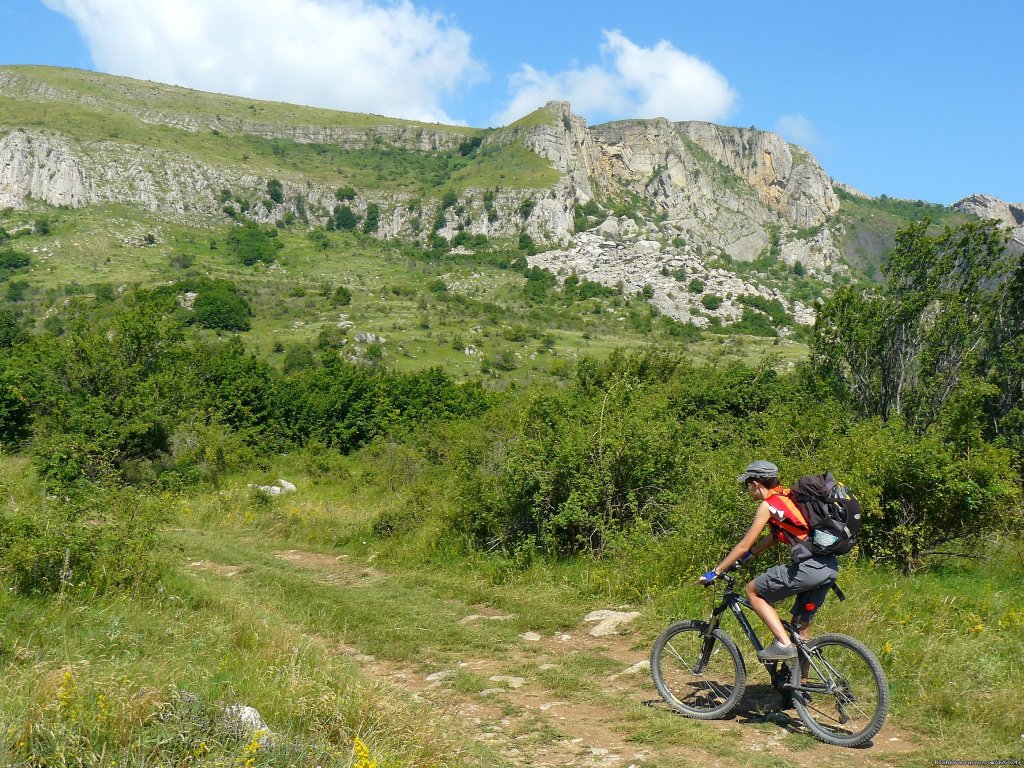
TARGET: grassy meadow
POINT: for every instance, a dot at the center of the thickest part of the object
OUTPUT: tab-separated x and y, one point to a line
300	605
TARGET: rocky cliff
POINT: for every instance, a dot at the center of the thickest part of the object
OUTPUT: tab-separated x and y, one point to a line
988	207
633	202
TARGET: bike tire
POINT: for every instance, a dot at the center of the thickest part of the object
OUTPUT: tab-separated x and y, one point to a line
713	692
846	696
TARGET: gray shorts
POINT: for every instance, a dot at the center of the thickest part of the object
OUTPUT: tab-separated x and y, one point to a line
809	581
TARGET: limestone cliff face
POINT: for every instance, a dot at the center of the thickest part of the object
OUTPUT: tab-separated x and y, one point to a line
988	207
32	165
725	189
710	191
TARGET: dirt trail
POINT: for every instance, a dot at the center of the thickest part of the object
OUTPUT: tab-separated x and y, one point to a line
601	723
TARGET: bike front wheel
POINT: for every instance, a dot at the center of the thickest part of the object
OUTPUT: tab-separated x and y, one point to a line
844	697
697	675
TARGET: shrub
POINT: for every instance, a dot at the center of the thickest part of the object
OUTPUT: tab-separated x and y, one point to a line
275	191
106	541
320	239
221	306
342	296
526	244
182	260
710	301
345	218
577	471
538	283
470	145
345	193
372	222
15	410
251	242
11	259
696	286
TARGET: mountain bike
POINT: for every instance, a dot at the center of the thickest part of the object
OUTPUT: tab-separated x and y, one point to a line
836	684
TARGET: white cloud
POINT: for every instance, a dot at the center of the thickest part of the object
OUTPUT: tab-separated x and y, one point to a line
392	59
631	81
798	129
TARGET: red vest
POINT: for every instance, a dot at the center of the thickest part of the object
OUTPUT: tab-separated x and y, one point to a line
787	521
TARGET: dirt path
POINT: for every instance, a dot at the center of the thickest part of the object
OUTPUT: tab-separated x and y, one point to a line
571	699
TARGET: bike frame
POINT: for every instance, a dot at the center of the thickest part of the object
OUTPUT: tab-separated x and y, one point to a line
734	602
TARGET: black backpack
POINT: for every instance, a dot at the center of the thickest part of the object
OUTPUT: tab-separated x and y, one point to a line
831	511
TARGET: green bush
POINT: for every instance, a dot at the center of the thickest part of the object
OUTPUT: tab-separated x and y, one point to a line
102	543
710	301
275	191
577	470
251	242
221	306
538	283
345	218
372	222
11	259
342	296
696	286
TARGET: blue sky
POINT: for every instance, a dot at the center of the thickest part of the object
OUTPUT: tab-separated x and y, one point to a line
907	99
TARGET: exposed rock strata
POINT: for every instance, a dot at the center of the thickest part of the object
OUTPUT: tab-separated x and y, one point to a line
619	253
696	191
988	207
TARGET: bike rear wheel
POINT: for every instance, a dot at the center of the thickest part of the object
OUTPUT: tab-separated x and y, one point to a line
845	697
698	676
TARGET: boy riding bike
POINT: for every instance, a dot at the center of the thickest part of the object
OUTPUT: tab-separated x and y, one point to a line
809	576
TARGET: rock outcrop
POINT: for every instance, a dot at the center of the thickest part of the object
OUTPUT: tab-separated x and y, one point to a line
683	195
988	207
619	253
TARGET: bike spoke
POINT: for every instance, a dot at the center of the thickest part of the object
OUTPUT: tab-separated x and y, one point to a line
671	649
694	678
843	697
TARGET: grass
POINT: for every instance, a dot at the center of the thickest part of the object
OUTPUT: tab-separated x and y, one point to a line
145	681
90	674
871	224
387	169
485	308
123	92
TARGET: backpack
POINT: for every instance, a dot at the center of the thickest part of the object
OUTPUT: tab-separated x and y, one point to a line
831	511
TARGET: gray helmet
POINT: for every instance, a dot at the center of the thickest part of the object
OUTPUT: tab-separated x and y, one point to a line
758	470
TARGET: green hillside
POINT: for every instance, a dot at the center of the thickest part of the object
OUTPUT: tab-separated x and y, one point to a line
871	224
288	493
122	94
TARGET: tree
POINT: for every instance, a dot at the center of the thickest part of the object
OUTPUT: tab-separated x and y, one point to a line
372	222
945	313
221	306
275	191
342	296
11	260
344	218
251	243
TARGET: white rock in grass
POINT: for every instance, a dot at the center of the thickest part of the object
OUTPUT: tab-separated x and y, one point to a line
247	721
640	666
609	621
270	490
437	677
511	682
286	486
